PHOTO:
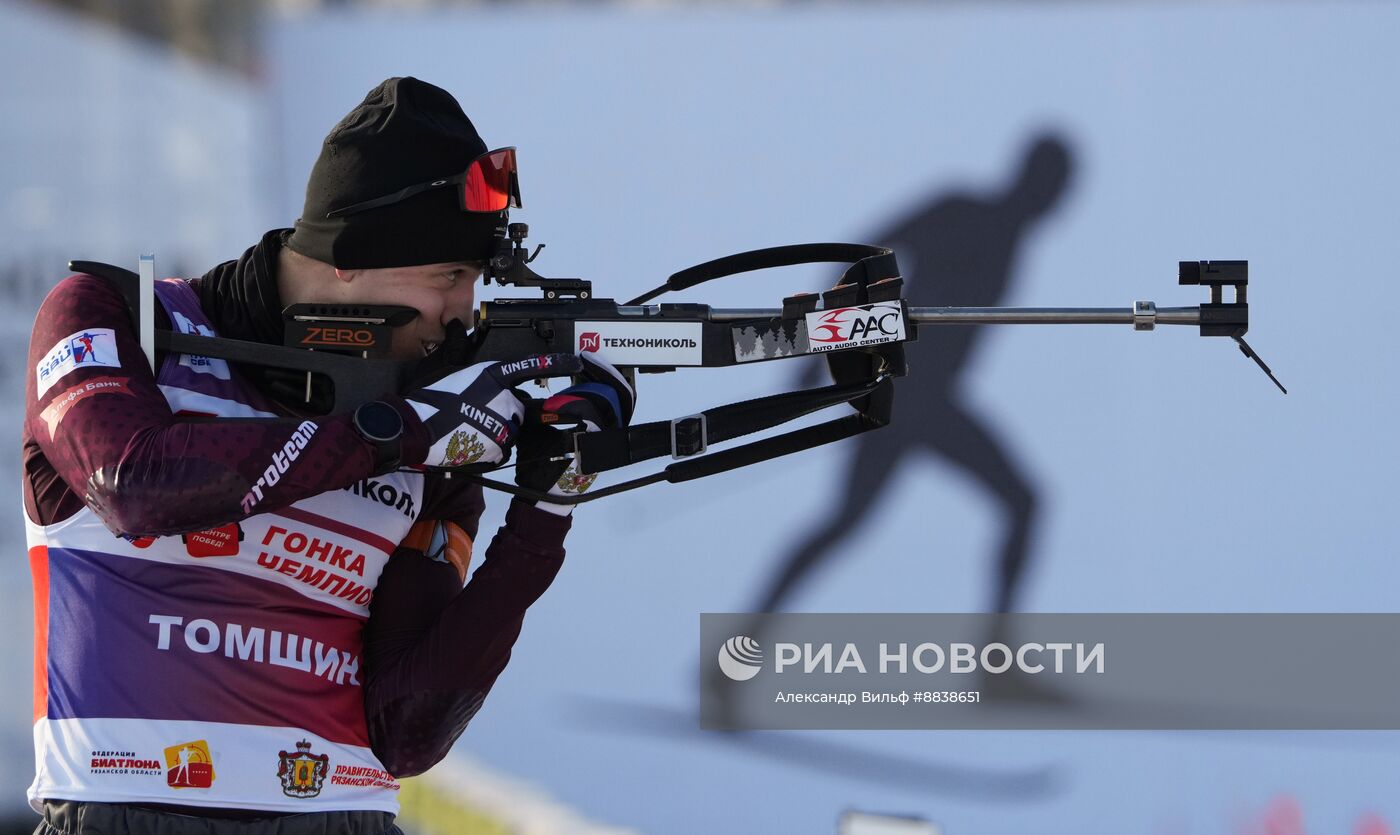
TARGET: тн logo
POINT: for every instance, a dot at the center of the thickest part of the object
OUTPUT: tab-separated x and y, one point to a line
588	341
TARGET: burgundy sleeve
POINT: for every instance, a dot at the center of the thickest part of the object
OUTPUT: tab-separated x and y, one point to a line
103	432
433	649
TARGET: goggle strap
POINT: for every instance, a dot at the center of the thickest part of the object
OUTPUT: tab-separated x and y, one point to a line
389	199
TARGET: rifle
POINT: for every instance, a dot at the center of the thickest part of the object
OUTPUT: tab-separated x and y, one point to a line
859	326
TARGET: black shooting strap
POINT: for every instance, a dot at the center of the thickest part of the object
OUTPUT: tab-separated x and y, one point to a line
880	394
866	262
613	448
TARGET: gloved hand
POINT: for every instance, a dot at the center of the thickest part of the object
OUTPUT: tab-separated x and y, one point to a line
473	414
605	400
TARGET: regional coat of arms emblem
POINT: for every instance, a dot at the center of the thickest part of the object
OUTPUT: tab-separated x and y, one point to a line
303	772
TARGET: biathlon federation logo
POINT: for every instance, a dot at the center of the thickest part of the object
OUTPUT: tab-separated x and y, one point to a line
740	658
189	765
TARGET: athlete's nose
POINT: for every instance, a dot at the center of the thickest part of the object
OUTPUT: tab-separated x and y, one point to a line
458	303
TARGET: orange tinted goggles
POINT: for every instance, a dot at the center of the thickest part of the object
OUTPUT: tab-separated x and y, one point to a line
490	184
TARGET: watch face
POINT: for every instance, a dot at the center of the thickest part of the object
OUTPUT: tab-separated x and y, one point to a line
378	421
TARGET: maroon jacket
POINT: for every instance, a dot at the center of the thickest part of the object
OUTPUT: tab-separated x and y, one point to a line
433	648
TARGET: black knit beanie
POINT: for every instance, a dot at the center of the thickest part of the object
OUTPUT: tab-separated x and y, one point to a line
404	133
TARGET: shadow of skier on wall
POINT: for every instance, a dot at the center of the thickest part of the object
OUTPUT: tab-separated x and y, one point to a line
963	249
958	249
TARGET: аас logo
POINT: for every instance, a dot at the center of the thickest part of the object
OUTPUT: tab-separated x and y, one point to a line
856	324
854	327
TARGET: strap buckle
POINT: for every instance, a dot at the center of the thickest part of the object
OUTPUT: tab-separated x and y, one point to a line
689	436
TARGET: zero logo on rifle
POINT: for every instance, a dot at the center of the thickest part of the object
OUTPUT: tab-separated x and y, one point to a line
338	337
854	327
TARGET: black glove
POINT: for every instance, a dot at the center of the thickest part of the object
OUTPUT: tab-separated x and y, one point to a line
604	400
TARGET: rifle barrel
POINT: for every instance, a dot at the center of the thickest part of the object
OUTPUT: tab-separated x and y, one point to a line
1049	315
1010	315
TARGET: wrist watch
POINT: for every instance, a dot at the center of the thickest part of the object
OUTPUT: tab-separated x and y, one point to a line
381	425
